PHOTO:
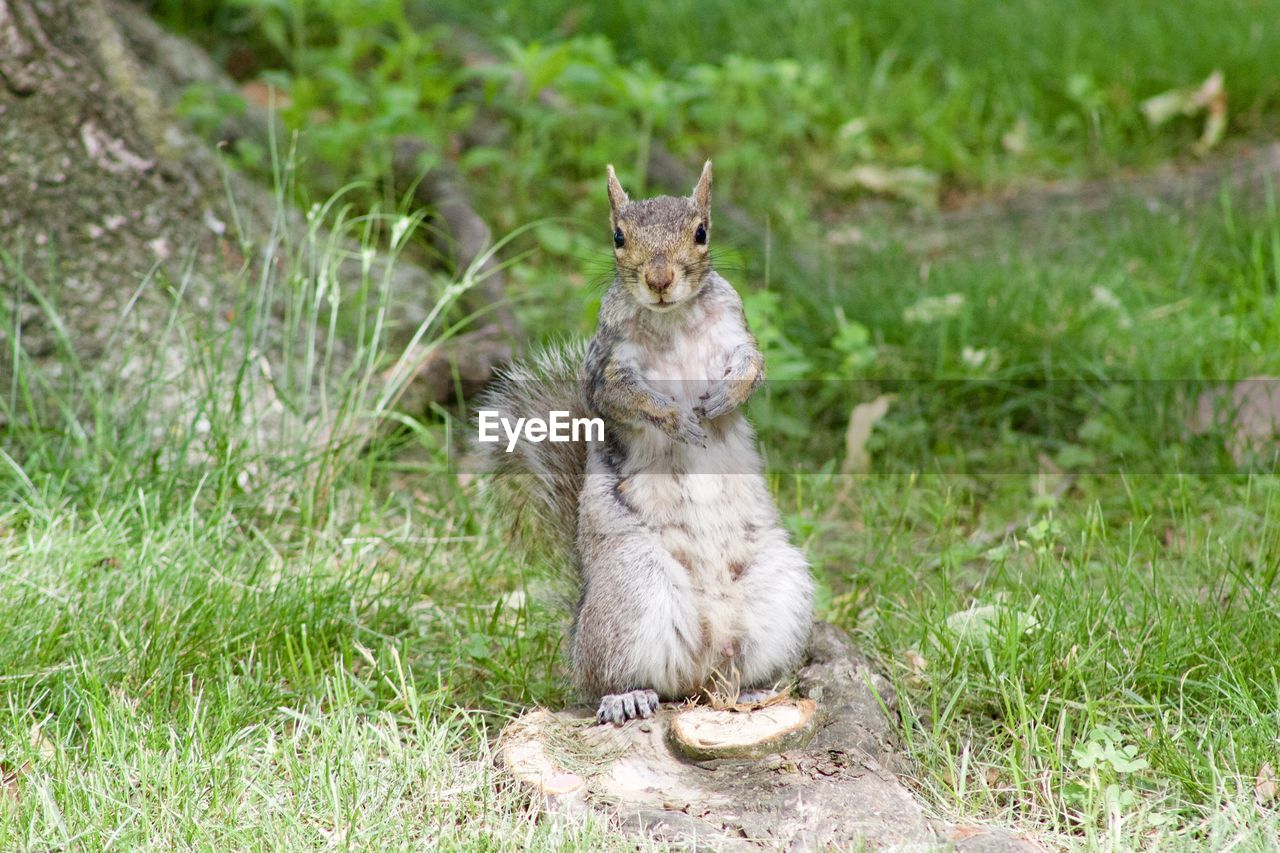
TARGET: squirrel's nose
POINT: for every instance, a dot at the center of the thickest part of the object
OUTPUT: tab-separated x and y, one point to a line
659	279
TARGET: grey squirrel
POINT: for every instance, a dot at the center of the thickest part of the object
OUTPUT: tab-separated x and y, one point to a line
688	583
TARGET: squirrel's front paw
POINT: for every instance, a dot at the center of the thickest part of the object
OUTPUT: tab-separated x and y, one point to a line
619	707
717	401
685	429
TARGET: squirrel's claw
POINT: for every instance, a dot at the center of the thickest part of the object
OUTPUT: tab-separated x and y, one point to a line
687	430
617	708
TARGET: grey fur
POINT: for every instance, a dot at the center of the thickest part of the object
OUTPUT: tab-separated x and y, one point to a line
688	582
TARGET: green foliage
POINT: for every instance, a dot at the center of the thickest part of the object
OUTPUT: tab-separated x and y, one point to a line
1074	596
802	113
349	78
379	78
936	83
220	628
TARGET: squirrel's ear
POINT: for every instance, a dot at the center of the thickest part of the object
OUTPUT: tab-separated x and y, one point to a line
702	192
617	196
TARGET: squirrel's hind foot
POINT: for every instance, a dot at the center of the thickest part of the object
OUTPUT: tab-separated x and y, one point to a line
619	707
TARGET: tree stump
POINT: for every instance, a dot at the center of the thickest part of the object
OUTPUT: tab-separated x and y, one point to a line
820	770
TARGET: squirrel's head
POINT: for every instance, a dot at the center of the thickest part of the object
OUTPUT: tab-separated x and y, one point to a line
660	244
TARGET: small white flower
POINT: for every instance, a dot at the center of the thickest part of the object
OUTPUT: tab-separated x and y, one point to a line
213	223
934	308
974	358
1103	297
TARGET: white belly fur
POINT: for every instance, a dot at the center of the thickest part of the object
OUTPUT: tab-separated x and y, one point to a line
709	510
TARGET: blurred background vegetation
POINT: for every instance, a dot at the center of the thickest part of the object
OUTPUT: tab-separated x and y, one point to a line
972	211
841	131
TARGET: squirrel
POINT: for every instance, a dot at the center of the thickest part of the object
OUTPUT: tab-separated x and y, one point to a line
688	582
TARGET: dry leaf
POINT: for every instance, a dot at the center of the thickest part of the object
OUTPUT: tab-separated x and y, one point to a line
1249	412
978	624
9	777
932	309
1210	97
916	662
861	421
850	236
1016	140
909	183
264	95
40	743
1264	786
1051	482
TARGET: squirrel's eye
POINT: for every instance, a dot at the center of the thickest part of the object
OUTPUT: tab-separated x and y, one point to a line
700	236
618	240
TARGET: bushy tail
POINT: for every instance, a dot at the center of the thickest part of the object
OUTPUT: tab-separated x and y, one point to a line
537	484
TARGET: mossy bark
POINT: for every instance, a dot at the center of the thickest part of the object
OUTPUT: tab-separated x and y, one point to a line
101	193
116	223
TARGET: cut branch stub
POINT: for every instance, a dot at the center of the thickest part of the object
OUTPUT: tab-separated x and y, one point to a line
708	733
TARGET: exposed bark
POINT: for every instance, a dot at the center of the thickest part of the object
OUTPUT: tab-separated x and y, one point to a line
118	237
118	249
27	58
97	193
710	734
463	365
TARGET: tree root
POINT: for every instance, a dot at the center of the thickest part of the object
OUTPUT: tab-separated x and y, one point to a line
175	64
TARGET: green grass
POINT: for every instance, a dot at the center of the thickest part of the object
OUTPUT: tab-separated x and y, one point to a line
791	98
176	675
1139	609
188	658
219	632
198	653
